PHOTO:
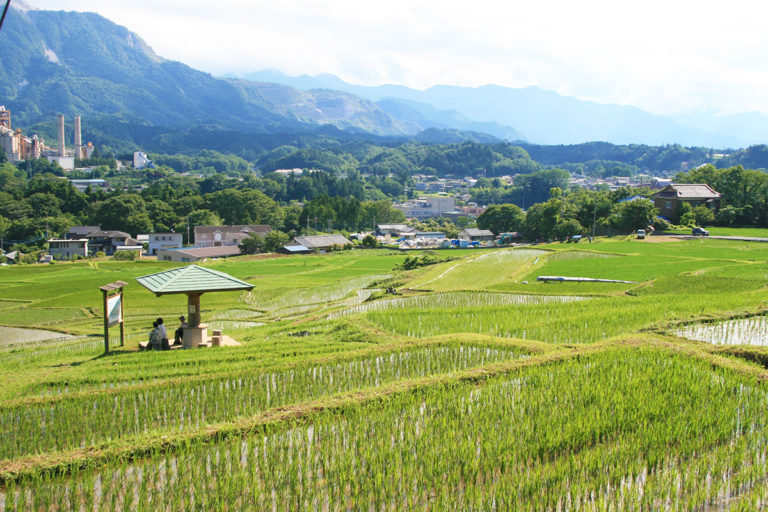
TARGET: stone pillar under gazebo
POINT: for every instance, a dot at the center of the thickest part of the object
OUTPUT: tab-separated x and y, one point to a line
195	333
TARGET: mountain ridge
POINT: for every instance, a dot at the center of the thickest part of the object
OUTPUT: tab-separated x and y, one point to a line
546	117
75	63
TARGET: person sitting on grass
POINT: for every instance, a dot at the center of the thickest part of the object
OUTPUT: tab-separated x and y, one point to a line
155	338
179	334
163	334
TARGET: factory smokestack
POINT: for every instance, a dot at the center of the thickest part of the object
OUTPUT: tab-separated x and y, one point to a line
78	139
61	136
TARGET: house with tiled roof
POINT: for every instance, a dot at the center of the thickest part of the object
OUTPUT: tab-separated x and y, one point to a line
476	235
669	199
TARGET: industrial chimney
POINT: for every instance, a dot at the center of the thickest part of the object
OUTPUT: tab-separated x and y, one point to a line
78	140
61	136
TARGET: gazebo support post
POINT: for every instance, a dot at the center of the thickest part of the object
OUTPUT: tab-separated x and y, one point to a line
106	324
193	309
195	333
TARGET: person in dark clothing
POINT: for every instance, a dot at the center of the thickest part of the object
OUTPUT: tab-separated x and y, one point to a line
155	338
179	334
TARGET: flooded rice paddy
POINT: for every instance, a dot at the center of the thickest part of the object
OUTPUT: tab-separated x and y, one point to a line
741	331
456	300
13	335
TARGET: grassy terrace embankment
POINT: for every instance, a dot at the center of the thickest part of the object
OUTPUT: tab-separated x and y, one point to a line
477	387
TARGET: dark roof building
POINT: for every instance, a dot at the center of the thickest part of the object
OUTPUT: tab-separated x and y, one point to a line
476	234
393	229
669	199
78	232
108	241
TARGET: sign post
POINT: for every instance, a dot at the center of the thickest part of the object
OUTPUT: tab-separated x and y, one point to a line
113	310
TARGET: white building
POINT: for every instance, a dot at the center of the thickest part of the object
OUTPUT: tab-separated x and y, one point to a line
142	161
427	207
65	162
68	249
159	241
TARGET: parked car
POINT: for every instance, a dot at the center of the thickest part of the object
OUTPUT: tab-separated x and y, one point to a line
640	234
699	232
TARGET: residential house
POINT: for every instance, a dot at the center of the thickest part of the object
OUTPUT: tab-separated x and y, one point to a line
68	249
159	241
315	243
108	241
669	199
13	257
394	230
216	236
78	232
476	235
192	254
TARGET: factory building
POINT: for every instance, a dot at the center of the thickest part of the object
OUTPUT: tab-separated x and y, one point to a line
18	147
15	144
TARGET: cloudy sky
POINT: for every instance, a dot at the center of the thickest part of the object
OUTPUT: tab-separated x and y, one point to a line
670	56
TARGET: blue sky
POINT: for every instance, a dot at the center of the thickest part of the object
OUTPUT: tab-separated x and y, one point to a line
666	57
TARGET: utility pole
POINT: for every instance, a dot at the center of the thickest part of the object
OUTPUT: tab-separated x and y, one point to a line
594	220
5	11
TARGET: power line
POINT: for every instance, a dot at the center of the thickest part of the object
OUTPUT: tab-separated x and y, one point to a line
5	11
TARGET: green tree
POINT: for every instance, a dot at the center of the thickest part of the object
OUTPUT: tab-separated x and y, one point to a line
252	244
703	216
275	240
125	212
378	212
501	218
567	228
5	224
44	204
370	241
633	215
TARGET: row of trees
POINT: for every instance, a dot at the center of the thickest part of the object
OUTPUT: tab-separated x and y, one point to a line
44	206
745	194
576	212
36	206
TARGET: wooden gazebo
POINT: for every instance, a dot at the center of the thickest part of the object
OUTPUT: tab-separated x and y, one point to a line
193	281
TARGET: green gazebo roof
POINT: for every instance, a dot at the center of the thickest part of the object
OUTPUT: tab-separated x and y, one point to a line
191	279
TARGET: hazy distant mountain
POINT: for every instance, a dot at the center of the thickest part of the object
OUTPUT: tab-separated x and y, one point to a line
750	128
72	63
398	102
546	117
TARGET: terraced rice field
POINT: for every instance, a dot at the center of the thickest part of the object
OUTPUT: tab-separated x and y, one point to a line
474	388
742	331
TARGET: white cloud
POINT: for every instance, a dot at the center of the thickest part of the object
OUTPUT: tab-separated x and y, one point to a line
660	55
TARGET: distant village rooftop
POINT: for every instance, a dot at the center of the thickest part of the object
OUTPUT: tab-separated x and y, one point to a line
689	191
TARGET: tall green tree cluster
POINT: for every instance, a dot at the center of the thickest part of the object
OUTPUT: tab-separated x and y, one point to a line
571	213
745	195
